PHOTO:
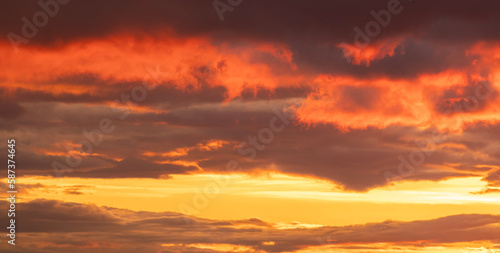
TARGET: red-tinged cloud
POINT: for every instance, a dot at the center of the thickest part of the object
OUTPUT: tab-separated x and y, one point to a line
55	226
221	80
367	54
193	66
447	101
94	71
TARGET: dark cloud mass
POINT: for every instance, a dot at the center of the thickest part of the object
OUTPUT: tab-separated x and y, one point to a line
324	20
357	160
310	30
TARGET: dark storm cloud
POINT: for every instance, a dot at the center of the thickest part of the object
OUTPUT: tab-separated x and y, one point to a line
320	20
411	58
357	160
310	29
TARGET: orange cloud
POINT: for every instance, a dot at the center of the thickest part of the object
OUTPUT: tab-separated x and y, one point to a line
447	101
126	59
370	53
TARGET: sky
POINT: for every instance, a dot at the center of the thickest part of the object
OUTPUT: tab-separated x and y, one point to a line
252	126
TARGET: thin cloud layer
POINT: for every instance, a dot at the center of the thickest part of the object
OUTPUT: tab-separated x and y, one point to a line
61	226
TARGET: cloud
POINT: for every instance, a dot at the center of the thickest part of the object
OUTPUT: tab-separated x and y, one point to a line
10	110
60	226
205	137
133	167
487	190
219	82
310	19
493	179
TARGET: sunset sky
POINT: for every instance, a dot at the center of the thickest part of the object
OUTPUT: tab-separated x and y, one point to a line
252	126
